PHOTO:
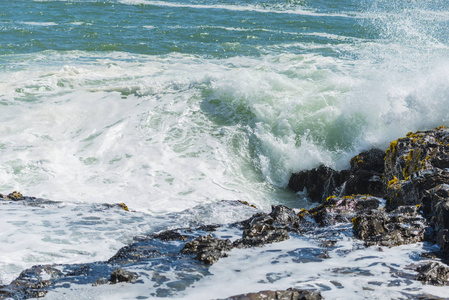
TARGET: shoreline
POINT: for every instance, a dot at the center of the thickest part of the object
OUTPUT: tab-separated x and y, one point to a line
386	199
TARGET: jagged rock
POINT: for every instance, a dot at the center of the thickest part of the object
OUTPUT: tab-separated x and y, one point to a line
414	164
286	217
403	226
207	248
443	241
121	275
261	228
370	160
433	273
135	252
170	235
289	294
364	177
366	174
417	151
320	182
341	209
31	283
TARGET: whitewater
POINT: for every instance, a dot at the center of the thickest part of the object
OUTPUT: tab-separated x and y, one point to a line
172	106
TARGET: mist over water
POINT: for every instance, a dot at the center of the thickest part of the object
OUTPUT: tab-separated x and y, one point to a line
167	105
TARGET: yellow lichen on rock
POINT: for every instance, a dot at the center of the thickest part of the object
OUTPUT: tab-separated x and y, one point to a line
123	205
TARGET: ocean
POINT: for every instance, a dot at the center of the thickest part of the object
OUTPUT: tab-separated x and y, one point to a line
172	106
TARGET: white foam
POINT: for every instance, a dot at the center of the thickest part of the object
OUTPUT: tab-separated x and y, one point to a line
350	271
100	129
40	23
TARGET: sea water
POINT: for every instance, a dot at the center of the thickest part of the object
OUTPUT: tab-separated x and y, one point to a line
172	106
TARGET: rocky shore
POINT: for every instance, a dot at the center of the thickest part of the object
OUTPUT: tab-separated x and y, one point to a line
389	198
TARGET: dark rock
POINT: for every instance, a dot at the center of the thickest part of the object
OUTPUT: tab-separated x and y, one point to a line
135	252
364	182
286	217
414	190
341	209
319	183
121	275
289	294
31	283
420	157
261	228
433	273
370	225
15	196
403	226
364	177
207	249
443	241
170	235
366	174
371	161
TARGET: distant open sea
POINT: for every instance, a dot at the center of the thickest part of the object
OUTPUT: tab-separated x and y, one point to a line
172	106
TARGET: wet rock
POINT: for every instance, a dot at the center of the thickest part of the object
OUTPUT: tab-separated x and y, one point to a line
15	196
319	183
414	164
403	226
135	252
365	175
341	209
31	283
261	229
371	161
170	235
285	217
207	249
443	241
433	273
289	294
121	275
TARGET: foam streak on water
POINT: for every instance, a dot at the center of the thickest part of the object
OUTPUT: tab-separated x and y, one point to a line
174	105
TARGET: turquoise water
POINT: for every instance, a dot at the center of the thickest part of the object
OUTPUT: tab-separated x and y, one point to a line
213	29
167	105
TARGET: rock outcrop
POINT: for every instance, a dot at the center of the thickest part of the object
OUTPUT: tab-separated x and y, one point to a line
412	175
364	177
290	294
433	273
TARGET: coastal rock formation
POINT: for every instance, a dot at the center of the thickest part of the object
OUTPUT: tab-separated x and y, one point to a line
402	226
433	273
341	209
415	186
416	174
207	249
121	275
364	177
319	183
415	178
290	294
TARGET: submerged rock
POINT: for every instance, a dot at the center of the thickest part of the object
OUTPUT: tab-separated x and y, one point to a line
121	275
31	283
289	294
